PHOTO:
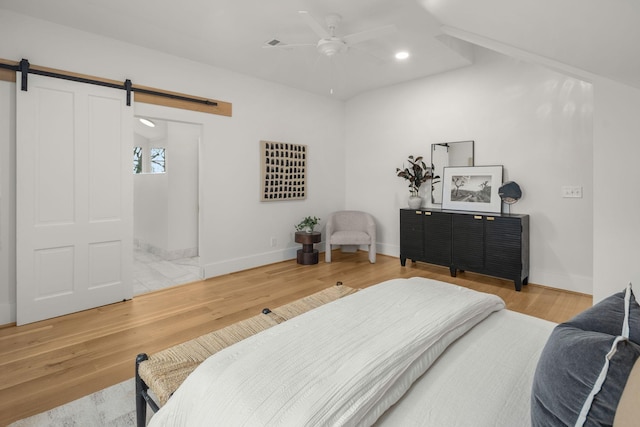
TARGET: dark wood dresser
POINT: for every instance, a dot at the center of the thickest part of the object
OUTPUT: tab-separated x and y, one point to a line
492	244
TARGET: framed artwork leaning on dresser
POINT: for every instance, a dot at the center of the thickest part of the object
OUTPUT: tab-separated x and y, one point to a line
472	188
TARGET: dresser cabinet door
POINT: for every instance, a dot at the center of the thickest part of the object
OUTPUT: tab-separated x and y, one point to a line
437	238
468	242
411	235
503	237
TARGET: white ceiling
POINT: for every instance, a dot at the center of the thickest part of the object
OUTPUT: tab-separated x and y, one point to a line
593	35
599	36
151	133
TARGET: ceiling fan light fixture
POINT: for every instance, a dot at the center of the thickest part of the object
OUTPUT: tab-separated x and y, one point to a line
402	55
330	47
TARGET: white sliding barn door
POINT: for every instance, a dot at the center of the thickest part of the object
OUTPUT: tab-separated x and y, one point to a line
74	198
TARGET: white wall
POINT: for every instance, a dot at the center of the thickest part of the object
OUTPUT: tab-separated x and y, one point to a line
166	204
150	219
182	171
237	228
616	256
149	202
535	122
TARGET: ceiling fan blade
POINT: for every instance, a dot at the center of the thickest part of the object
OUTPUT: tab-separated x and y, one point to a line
374	33
315	26
285	46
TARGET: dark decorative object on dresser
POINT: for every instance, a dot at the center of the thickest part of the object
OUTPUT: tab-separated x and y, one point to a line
492	244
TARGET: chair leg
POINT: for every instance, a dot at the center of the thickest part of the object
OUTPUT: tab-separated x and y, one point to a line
327	253
372	254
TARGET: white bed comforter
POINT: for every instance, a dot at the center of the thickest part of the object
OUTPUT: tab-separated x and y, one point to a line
483	379
343	363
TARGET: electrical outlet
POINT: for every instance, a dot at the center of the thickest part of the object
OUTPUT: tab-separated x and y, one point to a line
274	242
572	192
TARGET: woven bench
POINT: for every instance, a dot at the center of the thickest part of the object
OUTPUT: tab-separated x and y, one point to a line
162	373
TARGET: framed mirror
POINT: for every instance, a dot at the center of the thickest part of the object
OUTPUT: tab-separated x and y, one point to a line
458	153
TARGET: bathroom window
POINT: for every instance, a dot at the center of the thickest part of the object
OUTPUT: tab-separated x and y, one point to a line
157	160
151	161
137	159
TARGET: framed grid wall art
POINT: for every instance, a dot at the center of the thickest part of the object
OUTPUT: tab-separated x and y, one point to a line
283	171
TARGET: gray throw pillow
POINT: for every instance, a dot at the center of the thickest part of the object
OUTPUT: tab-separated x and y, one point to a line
568	370
607	316
586	358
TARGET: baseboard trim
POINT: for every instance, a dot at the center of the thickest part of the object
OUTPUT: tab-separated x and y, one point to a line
164	253
244	263
7	314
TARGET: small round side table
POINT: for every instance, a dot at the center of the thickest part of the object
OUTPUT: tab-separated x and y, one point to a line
308	255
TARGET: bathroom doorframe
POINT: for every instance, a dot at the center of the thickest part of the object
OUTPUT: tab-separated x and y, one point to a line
169	114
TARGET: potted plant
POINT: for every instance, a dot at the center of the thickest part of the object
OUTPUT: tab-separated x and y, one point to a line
434	180
417	174
307	224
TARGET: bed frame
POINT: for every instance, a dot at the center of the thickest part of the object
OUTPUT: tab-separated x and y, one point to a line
158	376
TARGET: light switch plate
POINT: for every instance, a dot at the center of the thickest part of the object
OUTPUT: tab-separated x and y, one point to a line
571	191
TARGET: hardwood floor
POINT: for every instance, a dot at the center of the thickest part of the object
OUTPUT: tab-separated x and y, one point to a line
49	363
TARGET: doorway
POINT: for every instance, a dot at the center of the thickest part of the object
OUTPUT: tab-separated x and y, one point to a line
166	203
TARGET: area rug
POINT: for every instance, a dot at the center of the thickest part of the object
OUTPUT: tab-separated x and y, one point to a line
113	407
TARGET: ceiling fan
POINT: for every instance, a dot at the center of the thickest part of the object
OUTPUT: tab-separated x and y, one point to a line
329	43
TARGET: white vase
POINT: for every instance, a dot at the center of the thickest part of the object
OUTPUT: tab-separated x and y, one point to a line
415	202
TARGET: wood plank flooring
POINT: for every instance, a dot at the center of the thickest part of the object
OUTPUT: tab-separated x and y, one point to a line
49	363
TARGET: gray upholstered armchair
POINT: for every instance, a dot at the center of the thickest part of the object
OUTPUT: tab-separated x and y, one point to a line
350	229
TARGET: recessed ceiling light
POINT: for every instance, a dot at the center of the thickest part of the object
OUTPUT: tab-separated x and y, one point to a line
147	122
402	55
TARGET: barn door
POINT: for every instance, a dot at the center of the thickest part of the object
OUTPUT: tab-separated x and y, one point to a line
74	206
